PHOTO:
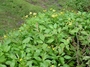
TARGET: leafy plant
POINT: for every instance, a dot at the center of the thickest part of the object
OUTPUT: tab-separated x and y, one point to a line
49	39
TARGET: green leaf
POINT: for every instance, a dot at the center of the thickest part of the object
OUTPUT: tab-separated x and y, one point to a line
67	47
51	26
61	48
42	37
1	65
27	50
55	25
6	48
50	40
42	27
84	32
26	40
12	56
2	58
61	60
67	57
11	63
47	31
74	31
54	31
39	41
7	42
59	30
86	57
37	58
48	35
29	63
44	46
43	65
65	65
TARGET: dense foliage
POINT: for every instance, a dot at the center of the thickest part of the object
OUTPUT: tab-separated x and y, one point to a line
81	5
49	39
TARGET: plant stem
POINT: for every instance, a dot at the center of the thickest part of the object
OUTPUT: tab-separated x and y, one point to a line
77	48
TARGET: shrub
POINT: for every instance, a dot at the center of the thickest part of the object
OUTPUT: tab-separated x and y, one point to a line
49	39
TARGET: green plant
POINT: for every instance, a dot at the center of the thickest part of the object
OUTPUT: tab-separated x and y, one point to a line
50	39
81	5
